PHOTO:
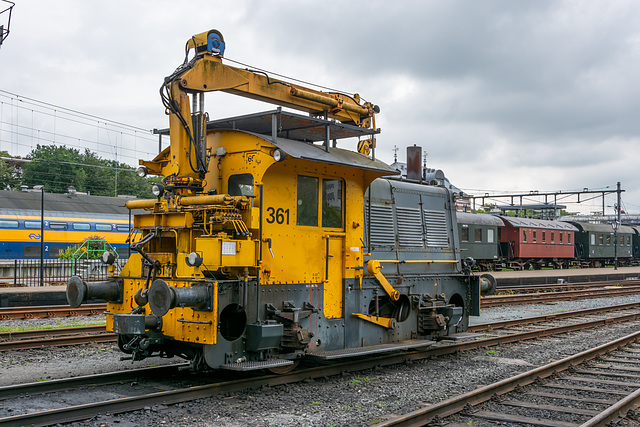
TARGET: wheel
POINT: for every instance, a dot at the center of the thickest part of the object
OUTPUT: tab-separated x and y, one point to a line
281	370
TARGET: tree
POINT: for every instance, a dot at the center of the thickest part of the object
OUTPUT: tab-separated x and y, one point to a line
58	168
9	174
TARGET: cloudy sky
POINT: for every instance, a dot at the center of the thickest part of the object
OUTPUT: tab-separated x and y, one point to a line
503	95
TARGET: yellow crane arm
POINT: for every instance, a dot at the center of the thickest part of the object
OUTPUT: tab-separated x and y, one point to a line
185	163
210	74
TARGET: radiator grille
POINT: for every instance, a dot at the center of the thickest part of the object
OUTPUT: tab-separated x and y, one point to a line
409	227
381	226
436	224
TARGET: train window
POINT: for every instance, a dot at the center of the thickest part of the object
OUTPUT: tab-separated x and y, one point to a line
524	236
58	225
307	200
608	239
601	239
54	251
6	223
561	234
82	226
628	240
544	237
36	225
535	236
490	235
241	185
569	238
104	227
123	228
465	233
553	237
123	253
593	239
32	251
332	203
477	235
622	240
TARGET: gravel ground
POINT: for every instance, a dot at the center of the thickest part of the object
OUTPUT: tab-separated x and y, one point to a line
359	399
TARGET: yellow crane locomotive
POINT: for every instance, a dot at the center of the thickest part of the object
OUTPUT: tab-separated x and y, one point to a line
267	243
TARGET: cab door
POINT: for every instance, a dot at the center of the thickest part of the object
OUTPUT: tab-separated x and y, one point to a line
332	224
334	280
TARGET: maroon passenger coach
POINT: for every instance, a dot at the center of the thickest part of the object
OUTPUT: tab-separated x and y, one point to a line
536	243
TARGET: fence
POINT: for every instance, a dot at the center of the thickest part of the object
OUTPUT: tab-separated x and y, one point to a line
55	271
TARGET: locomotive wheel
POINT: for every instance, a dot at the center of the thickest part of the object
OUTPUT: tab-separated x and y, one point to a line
281	370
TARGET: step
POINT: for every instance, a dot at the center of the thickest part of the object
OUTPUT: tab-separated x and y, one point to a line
254	366
461	336
374	349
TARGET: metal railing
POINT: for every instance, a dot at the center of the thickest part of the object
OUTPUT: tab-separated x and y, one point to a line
57	272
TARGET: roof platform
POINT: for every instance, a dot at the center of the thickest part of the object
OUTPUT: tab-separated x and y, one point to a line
276	124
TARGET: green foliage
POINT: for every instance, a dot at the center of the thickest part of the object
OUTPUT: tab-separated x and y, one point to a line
9	176
59	167
91	247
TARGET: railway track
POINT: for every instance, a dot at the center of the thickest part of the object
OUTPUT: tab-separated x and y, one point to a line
562	393
77	412
529	298
555	287
24	340
8	313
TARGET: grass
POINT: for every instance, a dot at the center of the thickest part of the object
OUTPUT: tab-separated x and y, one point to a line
358	380
43	327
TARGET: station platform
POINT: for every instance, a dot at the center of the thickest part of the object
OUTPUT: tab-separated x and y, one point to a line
572	275
29	296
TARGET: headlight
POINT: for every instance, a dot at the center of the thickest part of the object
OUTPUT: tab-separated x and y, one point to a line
279	155
142	171
108	258
193	259
157	190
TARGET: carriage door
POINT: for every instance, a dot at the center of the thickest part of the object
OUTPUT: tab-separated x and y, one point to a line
333	234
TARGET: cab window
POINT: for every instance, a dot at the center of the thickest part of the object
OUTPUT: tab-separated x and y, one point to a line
331	203
241	185
307	200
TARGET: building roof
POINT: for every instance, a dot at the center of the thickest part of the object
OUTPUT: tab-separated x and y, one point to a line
13	201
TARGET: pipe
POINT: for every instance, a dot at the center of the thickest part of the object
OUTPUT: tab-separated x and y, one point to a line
141	204
329	101
217	199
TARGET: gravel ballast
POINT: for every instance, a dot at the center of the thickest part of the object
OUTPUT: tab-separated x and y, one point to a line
359	399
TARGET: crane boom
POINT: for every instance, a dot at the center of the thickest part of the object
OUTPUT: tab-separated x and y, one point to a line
184	163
